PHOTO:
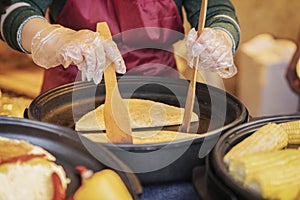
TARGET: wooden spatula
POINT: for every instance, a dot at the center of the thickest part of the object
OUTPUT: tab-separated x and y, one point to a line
189	102
116	115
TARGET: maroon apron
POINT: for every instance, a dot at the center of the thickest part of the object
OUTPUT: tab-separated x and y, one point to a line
143	30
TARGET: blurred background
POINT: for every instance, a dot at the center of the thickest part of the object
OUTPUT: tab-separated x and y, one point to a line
269	29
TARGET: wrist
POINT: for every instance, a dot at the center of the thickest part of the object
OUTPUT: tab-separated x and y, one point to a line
228	36
29	29
51	39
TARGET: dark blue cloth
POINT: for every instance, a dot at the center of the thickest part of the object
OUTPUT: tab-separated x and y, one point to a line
170	191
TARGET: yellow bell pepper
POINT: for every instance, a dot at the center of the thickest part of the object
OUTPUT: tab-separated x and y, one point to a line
105	185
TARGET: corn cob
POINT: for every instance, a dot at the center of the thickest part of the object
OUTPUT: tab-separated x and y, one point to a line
293	130
269	137
247	166
276	182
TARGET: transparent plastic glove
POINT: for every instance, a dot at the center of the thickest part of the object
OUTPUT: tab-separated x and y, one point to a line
57	45
214	49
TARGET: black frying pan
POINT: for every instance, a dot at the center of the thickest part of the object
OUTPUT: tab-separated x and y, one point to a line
218	172
218	111
67	147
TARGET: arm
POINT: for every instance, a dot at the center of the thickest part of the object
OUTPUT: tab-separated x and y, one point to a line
220	15
25	29
16	17
29	30
3	5
216	45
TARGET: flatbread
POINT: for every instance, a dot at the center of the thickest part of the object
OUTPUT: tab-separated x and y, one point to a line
143	114
145	137
10	148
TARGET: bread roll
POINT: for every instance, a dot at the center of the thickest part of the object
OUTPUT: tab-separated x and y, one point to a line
29	172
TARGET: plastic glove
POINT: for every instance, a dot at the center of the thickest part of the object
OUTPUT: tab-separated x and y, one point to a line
57	45
214	48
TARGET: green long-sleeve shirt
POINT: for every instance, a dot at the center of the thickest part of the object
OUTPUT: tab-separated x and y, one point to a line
220	14
3	4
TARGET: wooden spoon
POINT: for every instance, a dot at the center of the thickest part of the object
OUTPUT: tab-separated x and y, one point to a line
189	103
116	115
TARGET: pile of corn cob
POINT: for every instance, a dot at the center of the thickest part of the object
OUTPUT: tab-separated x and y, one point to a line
263	163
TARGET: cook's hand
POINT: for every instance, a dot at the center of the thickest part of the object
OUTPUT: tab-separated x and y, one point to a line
57	45
293	80
214	48
292	73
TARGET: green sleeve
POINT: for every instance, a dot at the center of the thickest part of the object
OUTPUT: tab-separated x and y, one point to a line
18	16
220	15
3	4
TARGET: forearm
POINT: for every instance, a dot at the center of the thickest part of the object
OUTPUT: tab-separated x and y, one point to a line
19	14
30	29
3	5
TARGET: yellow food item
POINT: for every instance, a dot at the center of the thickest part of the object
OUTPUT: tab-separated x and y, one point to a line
32	179
105	185
143	113
277	181
293	130
244	168
11	148
146	137
269	137
262	164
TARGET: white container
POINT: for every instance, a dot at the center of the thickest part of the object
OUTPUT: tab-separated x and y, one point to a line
261	82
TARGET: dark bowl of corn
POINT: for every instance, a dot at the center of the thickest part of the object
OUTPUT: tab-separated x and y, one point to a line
258	160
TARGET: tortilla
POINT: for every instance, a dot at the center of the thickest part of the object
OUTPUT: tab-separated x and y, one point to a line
146	137
143	114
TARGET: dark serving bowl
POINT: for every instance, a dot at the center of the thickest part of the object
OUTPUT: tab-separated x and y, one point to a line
218	174
218	111
67	147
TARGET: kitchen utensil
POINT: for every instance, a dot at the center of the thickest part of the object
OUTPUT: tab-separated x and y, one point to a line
191	91
116	114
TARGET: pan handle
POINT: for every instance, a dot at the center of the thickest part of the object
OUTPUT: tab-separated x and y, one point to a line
208	186
25	113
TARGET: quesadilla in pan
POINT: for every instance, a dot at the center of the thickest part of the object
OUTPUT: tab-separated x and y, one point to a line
143	114
146	137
